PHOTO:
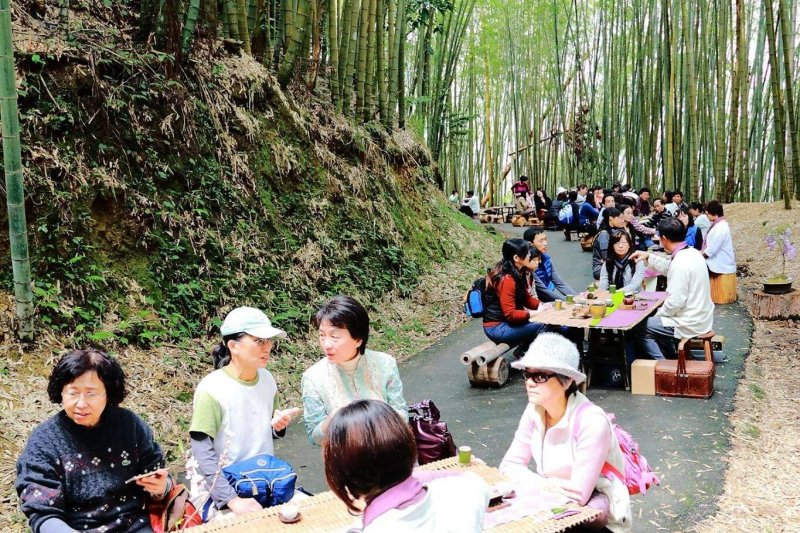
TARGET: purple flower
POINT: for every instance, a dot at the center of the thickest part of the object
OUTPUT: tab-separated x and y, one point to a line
771	241
788	250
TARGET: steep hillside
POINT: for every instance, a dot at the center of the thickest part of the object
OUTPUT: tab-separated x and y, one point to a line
159	197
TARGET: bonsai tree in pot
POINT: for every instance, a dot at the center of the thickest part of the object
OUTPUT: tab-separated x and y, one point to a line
780	240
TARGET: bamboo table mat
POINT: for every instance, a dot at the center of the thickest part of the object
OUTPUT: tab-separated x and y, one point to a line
325	512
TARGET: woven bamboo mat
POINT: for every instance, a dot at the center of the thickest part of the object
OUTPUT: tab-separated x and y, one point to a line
324	512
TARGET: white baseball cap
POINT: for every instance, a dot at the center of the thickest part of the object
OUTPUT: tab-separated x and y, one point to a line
251	321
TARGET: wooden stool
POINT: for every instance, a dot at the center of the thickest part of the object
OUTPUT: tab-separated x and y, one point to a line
723	288
705	339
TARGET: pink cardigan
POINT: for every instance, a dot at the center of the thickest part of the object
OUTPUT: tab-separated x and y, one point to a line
577	462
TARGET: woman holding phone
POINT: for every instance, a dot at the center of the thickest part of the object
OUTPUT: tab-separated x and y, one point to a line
233	415
82	468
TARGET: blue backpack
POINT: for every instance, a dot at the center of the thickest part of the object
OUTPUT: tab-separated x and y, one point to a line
473	300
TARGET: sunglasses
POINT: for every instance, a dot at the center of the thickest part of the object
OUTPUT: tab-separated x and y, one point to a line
537	377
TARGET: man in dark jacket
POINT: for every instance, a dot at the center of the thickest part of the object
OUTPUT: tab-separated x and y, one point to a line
548	285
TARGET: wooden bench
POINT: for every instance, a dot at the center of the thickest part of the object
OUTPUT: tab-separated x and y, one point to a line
487	365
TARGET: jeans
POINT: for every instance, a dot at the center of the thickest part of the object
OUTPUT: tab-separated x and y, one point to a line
521	336
654	340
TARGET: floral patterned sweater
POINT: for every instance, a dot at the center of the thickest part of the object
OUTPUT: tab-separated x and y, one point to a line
77	474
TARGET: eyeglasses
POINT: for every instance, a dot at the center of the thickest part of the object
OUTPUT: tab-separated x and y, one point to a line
262	343
537	377
71	397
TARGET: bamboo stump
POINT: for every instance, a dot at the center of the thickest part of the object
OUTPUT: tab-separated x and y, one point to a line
492	374
776	306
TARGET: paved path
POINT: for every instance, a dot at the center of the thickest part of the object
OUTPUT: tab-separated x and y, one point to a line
684	440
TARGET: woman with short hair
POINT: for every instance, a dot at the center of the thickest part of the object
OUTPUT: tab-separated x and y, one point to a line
349	371
369	453
75	471
571	443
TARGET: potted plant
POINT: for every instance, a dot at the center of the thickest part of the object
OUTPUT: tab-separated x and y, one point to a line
780	283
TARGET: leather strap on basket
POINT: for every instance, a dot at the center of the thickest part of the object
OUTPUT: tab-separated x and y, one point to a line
681	377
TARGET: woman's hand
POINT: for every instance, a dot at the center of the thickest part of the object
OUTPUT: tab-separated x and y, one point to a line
244	505
281	419
325	423
156	484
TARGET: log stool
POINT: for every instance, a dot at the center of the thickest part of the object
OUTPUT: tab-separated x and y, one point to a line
487	365
723	288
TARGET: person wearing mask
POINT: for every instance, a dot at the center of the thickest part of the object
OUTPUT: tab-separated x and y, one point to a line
470	205
349	371
569	439
688	311
548	284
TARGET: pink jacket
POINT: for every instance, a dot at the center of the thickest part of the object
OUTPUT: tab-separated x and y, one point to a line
575	461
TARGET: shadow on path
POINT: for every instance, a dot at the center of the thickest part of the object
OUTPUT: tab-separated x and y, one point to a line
684	440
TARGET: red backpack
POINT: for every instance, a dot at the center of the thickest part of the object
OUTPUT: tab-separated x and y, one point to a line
637	476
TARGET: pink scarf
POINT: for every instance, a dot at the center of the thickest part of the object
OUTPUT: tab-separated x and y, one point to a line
403	494
705	241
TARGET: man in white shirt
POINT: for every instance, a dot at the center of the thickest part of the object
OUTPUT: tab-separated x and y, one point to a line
688	311
470	205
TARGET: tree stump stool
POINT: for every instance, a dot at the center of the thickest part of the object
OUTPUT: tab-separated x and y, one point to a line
723	288
493	374
776	306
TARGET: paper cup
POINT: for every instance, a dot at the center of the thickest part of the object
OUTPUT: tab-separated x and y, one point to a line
464	455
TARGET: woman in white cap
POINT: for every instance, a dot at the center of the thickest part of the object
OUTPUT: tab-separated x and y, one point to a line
349	371
233	415
570	445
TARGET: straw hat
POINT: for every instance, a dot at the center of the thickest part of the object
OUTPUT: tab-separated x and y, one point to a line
552	352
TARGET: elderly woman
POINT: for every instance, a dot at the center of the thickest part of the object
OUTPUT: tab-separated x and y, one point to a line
570	444
233	414
369	455
75	472
348	371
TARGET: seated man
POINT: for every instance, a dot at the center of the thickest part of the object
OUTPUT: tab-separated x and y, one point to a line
548	285
688	311
470	205
522	205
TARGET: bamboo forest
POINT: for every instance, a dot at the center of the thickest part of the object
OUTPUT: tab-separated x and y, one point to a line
670	94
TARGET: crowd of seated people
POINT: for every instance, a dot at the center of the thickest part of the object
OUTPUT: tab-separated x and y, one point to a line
76	469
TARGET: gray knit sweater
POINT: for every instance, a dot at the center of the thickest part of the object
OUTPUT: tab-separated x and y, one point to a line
77	475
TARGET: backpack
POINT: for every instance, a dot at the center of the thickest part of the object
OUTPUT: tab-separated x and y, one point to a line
473	299
637	476
565	216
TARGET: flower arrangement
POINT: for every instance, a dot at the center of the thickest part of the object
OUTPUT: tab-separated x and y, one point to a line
781	240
